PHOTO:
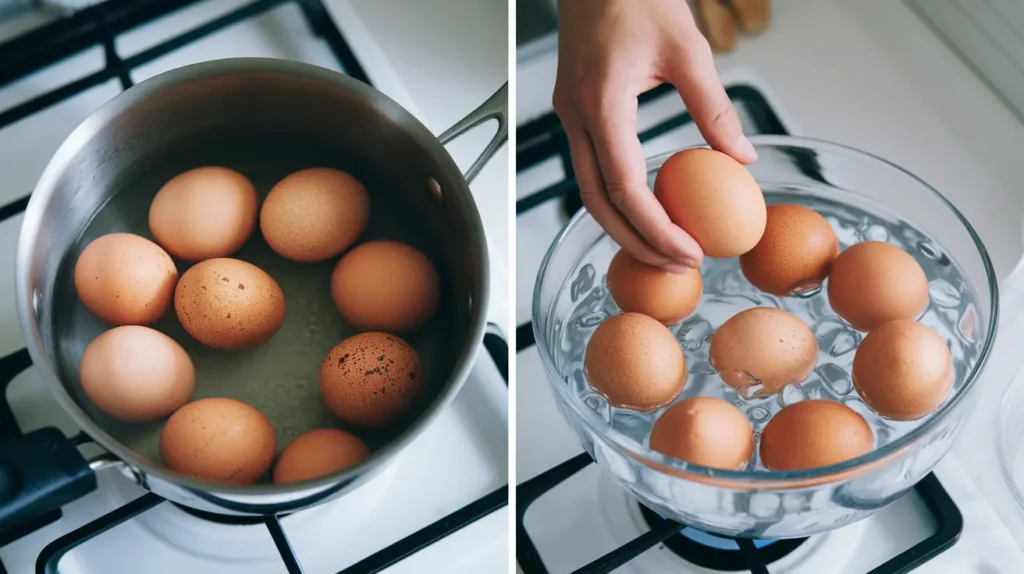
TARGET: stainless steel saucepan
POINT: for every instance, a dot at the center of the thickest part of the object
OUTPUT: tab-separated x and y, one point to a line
265	118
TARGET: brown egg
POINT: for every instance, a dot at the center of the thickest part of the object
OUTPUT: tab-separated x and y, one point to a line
773	346
812	434
714	199
314	214
204	213
385	286
874	282
229	304
705	431
635	362
125	279
136	374
317	453
794	254
641	288
221	440
903	370
371	379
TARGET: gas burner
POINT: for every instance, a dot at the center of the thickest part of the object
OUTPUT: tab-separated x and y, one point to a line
718	553
224	519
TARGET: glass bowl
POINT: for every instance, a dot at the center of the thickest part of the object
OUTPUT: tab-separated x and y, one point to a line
1010	439
863	197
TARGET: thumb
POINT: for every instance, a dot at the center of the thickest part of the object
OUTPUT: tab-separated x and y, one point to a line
695	77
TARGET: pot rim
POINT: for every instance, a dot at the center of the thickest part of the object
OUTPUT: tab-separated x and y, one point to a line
768	480
242	497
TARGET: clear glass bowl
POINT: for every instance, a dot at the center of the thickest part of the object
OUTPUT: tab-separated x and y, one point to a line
1010	439
570	299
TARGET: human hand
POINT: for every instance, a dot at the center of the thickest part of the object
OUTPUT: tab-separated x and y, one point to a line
609	52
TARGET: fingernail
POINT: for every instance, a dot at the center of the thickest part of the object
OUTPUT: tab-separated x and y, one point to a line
677	268
747	149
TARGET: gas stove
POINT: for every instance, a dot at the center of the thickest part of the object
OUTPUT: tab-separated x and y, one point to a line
572	518
441	505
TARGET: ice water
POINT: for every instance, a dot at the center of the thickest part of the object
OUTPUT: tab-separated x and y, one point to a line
952	312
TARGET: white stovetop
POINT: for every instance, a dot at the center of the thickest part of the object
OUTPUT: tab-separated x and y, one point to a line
461	457
869	74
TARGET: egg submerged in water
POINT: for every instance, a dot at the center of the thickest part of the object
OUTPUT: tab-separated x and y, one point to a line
136	374
706	431
874	282
641	288
903	370
763	346
795	252
814	433
635	362
204	213
317	453
221	440
314	214
125	279
229	304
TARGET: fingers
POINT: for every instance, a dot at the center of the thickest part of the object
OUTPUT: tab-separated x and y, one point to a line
696	78
588	176
624	172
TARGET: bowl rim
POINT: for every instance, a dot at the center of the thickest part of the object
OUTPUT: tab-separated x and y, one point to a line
767	479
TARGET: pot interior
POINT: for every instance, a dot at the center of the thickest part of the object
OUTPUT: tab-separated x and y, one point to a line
266	125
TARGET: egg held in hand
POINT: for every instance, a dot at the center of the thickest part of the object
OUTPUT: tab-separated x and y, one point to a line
229	304
314	214
319	452
714	198
705	431
641	288
221	440
903	370
635	362
814	433
125	279
204	213
136	374
385	286
795	252
765	346
874	282
371	379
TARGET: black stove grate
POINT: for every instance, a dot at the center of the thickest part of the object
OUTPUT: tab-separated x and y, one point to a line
543	139
99	25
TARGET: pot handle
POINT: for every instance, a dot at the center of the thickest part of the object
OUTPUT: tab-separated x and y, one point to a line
495	108
40	471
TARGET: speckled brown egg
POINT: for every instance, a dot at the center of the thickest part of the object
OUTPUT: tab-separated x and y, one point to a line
204	213
125	279
371	379
136	374
713	198
903	370
385	286
706	431
795	252
635	362
229	304
641	288
766	346
314	214
875	282
221	440
812	434
317	453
